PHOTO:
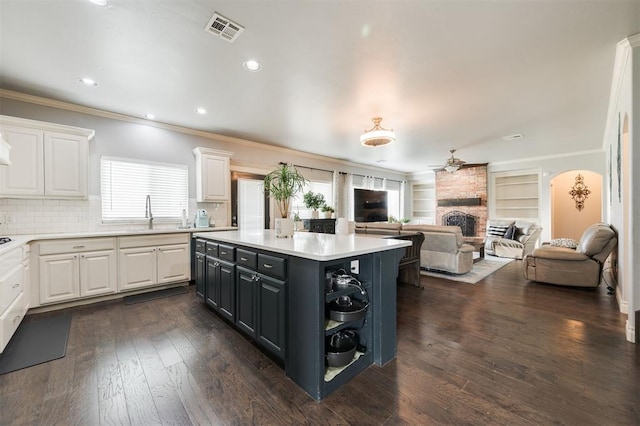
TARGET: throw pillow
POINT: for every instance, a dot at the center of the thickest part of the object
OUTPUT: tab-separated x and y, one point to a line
497	231
511	233
564	242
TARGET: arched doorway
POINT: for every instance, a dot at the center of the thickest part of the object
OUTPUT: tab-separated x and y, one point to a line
576	203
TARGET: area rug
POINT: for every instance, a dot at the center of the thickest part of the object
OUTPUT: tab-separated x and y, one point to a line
480	270
36	341
153	295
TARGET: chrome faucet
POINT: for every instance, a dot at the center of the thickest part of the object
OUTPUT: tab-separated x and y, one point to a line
147	213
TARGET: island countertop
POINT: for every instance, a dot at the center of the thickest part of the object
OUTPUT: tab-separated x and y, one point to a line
308	245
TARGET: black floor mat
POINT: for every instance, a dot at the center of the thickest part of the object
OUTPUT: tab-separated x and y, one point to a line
36	341
144	297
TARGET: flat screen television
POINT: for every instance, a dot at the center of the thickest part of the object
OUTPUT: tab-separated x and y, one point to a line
370	206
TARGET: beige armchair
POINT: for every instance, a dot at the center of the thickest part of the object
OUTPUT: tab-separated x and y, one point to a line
580	267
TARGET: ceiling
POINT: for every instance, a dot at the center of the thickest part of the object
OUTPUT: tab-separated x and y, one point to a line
442	74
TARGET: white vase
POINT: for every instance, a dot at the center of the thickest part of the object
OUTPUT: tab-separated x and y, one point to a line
284	227
314	214
327	215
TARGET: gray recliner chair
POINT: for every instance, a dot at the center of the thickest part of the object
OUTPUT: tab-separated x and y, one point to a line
580	267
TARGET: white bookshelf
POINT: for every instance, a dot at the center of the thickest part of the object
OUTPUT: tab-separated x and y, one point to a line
515	195
423	208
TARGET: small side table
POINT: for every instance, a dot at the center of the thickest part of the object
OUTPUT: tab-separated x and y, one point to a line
478	245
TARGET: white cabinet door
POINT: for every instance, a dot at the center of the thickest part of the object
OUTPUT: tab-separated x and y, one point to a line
213	178
59	278
137	268
65	165
25	175
173	263
216	178
98	273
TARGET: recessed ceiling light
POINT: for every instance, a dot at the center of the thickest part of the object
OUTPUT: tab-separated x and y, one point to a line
201	111
100	2
88	81
252	65
150	116
513	137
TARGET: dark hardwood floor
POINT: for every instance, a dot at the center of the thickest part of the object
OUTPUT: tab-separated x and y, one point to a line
503	351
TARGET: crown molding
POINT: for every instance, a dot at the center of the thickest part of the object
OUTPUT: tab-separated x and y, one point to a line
68	106
624	50
547	157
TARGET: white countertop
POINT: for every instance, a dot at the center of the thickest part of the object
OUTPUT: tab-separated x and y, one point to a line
19	240
309	245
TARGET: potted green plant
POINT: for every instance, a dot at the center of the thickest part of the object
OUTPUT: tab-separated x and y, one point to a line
328	211
282	184
313	201
297	221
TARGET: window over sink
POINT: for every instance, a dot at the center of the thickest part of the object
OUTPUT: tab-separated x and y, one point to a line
125	185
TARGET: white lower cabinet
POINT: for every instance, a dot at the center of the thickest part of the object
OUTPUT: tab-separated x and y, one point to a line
77	268
146	261
138	268
14	296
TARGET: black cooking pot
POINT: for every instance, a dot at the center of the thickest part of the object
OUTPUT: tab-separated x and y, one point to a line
341	347
346	309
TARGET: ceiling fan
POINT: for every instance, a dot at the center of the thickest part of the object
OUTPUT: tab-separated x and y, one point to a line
451	164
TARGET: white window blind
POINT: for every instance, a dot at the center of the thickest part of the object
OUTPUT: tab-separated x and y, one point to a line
126	184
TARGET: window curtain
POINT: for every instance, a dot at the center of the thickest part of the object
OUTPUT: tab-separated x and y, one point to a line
348	183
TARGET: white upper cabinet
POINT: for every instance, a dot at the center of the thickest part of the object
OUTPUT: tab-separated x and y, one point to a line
5	150
47	160
213	176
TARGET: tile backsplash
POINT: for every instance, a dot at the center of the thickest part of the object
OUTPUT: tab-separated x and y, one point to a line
27	216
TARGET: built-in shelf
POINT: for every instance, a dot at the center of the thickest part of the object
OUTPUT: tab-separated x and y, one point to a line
515	194
424	201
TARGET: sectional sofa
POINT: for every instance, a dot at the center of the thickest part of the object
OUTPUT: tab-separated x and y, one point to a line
443	248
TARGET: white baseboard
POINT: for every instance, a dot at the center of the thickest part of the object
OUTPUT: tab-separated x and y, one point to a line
622	304
631	332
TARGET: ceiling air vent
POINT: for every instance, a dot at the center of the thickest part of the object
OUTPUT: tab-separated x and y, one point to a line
224	28
513	137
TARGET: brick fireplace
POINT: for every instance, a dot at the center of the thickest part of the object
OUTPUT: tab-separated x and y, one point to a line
462	196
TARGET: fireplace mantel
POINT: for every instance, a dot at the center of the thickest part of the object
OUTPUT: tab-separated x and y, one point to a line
454	202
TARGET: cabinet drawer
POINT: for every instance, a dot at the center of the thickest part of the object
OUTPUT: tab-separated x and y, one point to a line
76	245
200	246
212	249
11	319
153	240
11	286
246	258
272	266
9	260
226	252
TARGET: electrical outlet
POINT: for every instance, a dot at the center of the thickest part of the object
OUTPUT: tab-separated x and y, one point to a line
355	267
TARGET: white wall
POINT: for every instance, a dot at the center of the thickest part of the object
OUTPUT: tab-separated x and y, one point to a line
624	208
566	220
146	141
594	161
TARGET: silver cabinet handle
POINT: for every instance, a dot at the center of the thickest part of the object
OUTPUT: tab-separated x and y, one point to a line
16	285
78	247
223	253
244	259
267	265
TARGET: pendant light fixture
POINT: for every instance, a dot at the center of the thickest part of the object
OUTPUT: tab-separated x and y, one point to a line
377	136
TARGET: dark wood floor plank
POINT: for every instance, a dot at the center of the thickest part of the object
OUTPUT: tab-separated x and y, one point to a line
113	411
140	403
198	409
502	351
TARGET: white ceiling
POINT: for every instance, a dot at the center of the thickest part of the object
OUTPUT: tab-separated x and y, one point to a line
442	74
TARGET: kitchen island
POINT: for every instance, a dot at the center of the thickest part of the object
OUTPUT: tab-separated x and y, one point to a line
277	291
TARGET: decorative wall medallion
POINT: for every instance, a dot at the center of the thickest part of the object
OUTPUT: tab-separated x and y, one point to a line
579	192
